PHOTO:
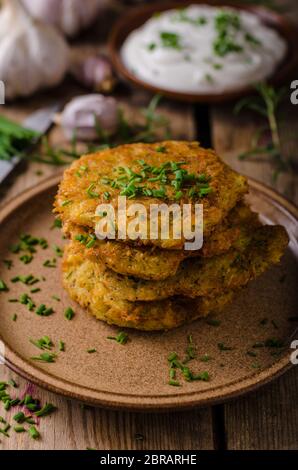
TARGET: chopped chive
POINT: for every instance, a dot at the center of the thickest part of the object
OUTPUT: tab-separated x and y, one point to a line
57	224
47	409
8	263
19	429
66	202
26	259
19	417
45	357
223	347
121	338
33	432
12	383
213	322
3	286
54	297
58	251
50	263
43	343
61	346
90	192
35	290
174	383
69	313
14	317
43	311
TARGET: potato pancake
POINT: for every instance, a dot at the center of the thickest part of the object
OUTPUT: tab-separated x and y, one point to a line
202	277
152	263
83	281
166	172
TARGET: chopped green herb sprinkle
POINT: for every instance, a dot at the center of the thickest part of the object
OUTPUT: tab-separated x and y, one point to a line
223	347
19	429
44	311
45	357
50	263
28	280
25	299
26	259
12	383
91	351
33	432
35	290
58	251
8	263
43	343
121	338
3	286
47	409
69	313
90	191
66	202
213	322
61	346
57	224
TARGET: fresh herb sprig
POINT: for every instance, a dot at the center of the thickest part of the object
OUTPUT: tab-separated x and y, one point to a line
266	104
14	139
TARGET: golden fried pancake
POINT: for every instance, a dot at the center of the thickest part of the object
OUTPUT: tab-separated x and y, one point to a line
82	279
202	277
147	174
152	263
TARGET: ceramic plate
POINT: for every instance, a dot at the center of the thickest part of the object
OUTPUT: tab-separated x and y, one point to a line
135	375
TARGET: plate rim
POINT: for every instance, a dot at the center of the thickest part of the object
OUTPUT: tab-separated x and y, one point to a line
116	37
131	402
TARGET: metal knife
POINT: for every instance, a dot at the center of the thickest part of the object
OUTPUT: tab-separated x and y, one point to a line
39	121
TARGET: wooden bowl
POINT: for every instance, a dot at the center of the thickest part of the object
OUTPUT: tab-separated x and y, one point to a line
138	16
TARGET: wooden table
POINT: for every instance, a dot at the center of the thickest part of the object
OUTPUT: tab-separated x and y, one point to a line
266	419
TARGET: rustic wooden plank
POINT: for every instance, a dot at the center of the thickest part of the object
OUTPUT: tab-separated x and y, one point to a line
266	419
77	427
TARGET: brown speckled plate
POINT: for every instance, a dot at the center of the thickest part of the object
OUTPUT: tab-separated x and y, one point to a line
135	376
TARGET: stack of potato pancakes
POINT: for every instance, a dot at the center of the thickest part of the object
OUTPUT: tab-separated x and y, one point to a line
155	284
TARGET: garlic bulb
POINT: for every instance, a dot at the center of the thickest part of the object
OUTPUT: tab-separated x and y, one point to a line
32	55
83	115
69	16
94	72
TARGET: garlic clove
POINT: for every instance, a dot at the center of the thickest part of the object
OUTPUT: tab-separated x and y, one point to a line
83	114
32	55
68	16
94	72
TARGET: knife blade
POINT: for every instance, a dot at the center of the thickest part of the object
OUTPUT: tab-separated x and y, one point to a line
39	121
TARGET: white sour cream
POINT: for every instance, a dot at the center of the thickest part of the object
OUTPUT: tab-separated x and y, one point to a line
203	49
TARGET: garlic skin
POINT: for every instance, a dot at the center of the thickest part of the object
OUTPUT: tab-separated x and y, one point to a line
81	114
68	16
94	72
32	55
